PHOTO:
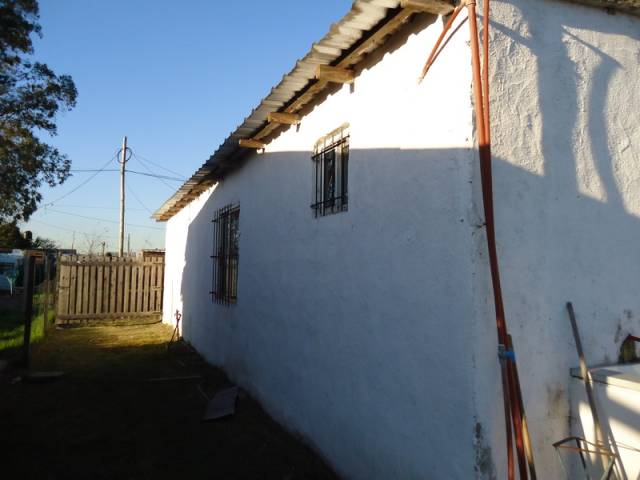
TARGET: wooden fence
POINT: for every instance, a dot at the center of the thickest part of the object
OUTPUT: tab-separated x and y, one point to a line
96	287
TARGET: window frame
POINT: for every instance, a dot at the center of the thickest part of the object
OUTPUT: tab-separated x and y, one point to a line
226	246
330	160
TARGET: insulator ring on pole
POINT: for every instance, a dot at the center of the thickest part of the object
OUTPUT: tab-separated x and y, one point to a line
127	158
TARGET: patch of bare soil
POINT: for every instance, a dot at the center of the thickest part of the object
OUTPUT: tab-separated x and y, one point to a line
105	420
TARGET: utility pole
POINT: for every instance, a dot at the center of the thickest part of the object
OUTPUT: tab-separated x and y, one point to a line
128	244
103	245
122	162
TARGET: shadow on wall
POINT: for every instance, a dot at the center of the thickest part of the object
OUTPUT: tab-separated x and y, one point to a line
598	239
555	244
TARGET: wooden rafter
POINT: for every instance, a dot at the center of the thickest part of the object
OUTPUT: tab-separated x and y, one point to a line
330	74
283	118
251	143
437	7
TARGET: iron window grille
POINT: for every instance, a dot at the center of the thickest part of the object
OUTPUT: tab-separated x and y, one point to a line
331	173
226	236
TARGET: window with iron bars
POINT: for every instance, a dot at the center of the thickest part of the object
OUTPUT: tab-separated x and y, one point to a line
331	173
226	236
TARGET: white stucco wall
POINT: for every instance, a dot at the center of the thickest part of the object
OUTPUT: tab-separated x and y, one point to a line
352	329
371	332
566	140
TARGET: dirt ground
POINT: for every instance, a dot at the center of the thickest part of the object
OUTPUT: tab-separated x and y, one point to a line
105	420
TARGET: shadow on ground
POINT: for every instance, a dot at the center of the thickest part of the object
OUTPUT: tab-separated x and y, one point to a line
105	419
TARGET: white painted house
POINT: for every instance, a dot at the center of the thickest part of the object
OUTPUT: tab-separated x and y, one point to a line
351	289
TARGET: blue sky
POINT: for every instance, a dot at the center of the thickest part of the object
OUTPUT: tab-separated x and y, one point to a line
176	78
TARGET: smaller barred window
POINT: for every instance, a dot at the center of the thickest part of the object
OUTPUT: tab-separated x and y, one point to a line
331	173
226	236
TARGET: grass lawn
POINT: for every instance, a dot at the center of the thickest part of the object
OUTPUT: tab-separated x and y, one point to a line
129	408
12	323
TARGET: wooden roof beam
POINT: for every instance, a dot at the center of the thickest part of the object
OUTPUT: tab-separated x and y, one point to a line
326	73
437	7
251	143
283	118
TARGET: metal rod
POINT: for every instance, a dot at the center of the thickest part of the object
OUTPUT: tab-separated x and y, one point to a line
586	377
528	447
507	417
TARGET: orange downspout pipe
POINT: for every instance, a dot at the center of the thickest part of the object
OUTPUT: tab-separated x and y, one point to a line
436	51
481	90
512	394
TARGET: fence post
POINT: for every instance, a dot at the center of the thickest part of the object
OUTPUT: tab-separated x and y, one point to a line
56	283
45	307
29	270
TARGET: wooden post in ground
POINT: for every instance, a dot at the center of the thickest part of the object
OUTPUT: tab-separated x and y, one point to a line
29	270
47	292
56	283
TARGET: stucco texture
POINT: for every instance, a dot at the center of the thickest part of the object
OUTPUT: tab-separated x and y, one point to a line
352	329
371	332
566	144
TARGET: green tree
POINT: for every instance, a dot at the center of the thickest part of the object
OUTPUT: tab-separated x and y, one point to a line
31	96
12	237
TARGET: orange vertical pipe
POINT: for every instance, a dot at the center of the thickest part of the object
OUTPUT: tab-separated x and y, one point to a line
487	200
434	53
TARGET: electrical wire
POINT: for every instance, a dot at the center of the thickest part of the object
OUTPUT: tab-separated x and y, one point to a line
173	189
83	183
101	219
155	175
133	193
141	158
97	207
66	229
165	177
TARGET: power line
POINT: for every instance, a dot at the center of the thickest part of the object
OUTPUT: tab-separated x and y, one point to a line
177	179
130	190
149	170
101	219
66	229
83	183
141	158
97	207
155	175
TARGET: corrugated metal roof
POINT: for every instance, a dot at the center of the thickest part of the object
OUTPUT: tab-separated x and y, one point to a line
360	31
340	42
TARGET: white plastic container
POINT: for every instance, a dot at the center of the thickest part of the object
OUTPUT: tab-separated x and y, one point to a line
617	392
